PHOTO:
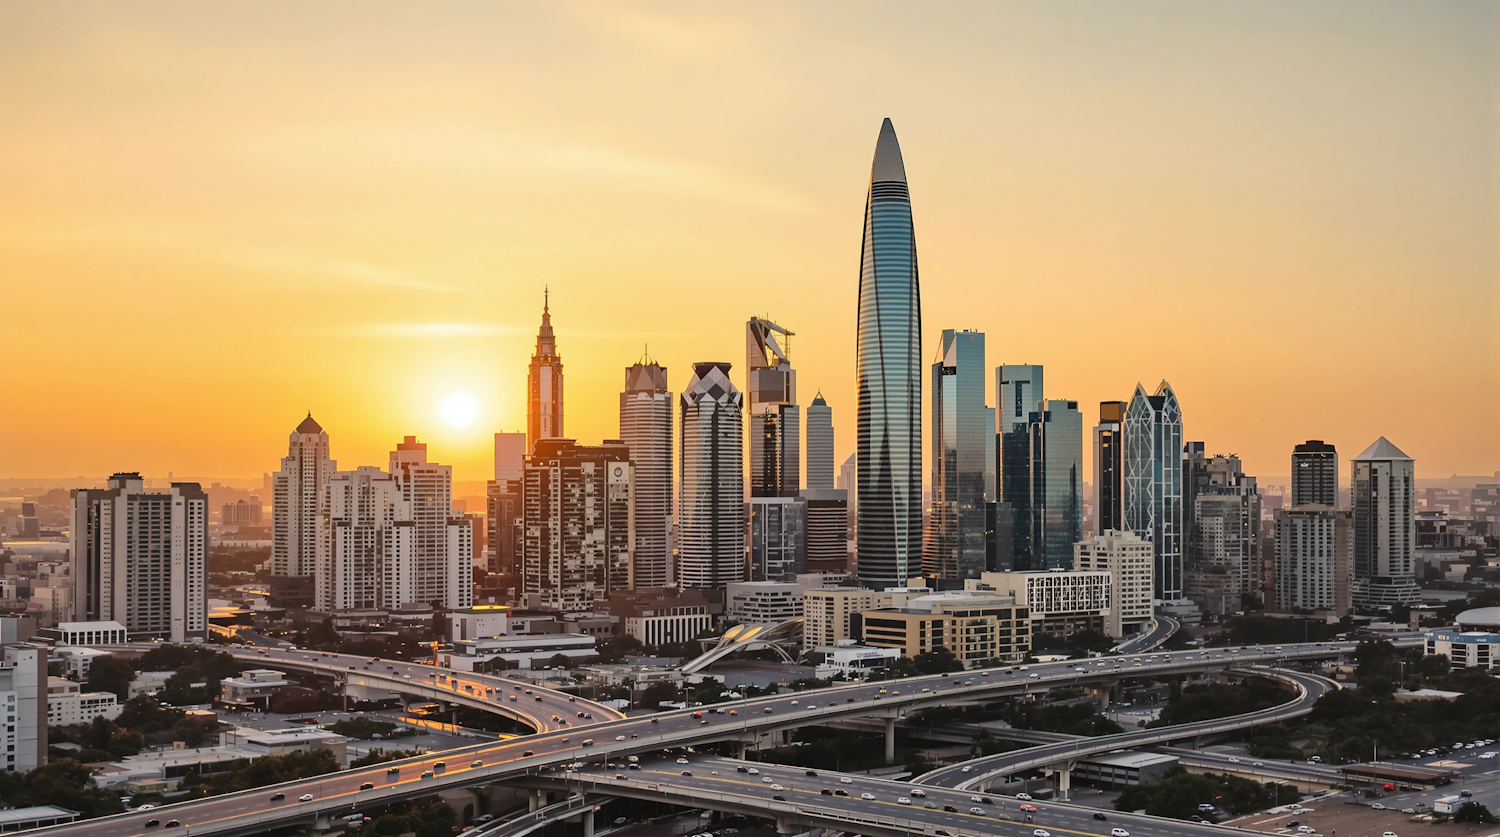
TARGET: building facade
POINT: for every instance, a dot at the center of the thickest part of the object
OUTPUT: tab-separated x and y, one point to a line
778	538
888	377
1315	474
578	524
440	573
1314	555
778	519
1221	516
827	541
646	429
975	627
762	602
297	493
1109	467
1129	560
827	615
819	445
711	504
1153	483
23	707
1384	507
955	544
141	558
1019	388
1056	484
372	544
544	384
1061	602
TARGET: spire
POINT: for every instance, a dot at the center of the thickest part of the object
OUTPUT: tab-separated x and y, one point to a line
546	343
888	164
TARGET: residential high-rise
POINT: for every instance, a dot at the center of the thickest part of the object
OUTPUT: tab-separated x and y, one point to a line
1314	551
578	514
819	444
297	492
440	573
544	384
141	558
1315	474
1221	512
1153	482
711	502
1056	430
502	505
1384	506
23	696
954	546
372	543
646	429
1018	391
888	377
1128	559
1109	468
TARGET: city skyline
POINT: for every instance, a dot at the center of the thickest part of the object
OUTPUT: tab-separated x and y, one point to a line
1022	210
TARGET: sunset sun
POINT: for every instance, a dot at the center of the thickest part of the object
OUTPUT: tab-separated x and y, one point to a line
459	409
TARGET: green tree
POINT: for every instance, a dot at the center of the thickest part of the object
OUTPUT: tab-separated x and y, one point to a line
111	674
1475	812
64	783
379	756
362	728
659	692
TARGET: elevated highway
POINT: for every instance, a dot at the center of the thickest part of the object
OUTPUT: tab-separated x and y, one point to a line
597	739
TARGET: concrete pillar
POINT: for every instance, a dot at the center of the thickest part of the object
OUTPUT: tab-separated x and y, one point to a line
739	750
890	740
1064	781
588	823
537	801
787	828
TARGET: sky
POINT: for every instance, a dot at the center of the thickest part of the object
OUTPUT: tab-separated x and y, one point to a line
217	217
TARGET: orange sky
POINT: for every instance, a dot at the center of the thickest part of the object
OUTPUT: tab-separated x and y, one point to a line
216	216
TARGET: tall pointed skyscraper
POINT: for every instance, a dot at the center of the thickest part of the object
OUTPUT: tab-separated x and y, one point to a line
646	428
298	493
1153	483
819	444
544	385
888	375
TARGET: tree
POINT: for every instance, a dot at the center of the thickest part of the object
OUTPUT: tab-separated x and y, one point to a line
379	756
111	674
659	692
1475	812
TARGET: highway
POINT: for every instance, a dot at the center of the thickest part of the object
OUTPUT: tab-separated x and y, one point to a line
590	739
979	772
1162	628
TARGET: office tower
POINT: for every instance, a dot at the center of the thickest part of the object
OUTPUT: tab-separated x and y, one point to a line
711	503
544	384
1153	482
1314	552
778	538
954	546
827	533
849	482
23	706
440	574
297	492
141	558
991	487
1221	512
646	429
1129	561
502	505
1056	484
1315	474
778	517
819	444
1384	505
1109	470
578	524
888	377
1018	390
372	543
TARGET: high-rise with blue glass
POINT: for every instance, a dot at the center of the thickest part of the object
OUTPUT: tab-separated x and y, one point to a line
962	435
1153	483
1018	391
1056	484
888	375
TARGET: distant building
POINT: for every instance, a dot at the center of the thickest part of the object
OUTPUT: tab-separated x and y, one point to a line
253	688
1473	643
87	633
711	510
762	602
517	651
850	483
1019	388
661	616
372	544
1128	560
67	706
827	614
577	512
646	429
778	538
1221	517
778	519
1315	474
854	661
544	384
1056	429
827	538
1153	483
1384	505
819	445
1314	553
955	545
1061	602
974	627
441	573
242	513
297	493
1109	467
141	558
502	505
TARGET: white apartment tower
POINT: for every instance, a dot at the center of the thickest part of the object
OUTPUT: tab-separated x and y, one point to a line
297	493
1129	560
372	543
23	707
439	573
646	429
141	558
711	484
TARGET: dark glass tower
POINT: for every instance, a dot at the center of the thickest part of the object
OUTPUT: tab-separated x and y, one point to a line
1315	474
889	378
1109	470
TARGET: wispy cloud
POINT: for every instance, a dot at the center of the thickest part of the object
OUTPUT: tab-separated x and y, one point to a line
351	272
420	331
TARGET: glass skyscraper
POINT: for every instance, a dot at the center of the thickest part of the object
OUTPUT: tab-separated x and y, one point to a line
1109	468
1153	482
1056	484
888	376
954	547
1018	389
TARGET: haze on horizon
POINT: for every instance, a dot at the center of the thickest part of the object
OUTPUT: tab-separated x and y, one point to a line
214	218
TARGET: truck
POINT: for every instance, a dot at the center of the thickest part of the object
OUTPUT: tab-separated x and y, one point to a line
1448	804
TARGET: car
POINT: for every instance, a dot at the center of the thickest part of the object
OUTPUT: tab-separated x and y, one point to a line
704	721
1389	834
619	738
845	780
367	786
148	806
1030	809
840	792
1233	760
443	765
173	824
682	761
476	763
633	766
867	796
1025	797
981	799
306	797
778	797
523	755
966	768
1306	829
427	774
918	792
686	773
275	797
1466	793
950	809
742	769
753	771
826	792
1099	816
980	812
1257	764
538	698
1408	810
777	788
929	804
152	823
1377	807
1041	832
765	780
655	720
812	772
768	710
1294	824
901	800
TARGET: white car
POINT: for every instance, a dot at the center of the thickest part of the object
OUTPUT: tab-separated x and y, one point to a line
619	738
980	812
765	780
682	761
978	799
777	788
867	796
903	801
753	771
1257	764
306	797
1306	829
1488	755
1118	832
845	780
966	769
147	807
1389	834
1233	760
1377	807
918	792
1041	832
1025	797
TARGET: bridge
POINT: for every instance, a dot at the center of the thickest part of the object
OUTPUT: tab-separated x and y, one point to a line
606	737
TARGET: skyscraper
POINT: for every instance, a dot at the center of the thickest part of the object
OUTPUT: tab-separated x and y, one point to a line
1221	529
141	558
1314	549
577	533
711	505
372	542
440	573
297	492
1018	391
1315	474
502	505
1109	469
1153	482
646	429
1056	484
775	418
544	384
888	377
954	547
819	444
1384	505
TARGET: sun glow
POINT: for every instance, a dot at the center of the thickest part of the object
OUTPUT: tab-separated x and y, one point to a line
459	409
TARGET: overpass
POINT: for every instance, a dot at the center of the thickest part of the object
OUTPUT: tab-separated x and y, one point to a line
1162	628
605	737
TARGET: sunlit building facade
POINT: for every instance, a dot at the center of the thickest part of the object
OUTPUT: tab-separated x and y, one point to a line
1385	536
955	545
544	384
298	490
711	490
578	515
1153	483
646	429
819	445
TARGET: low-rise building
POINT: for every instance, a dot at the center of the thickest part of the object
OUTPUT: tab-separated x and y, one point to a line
517	651
1473	643
149	682
78	662
479	621
853	660
86	633
660	615
974	627
23	707
762	602
163	770
1062	602
827	614
68	706
253	688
